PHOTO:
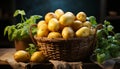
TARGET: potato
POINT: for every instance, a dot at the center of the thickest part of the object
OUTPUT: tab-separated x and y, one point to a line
49	16
87	24
81	16
67	19
53	25
43	30
83	32
38	57
54	35
59	13
92	31
21	56
42	33
40	23
67	32
76	25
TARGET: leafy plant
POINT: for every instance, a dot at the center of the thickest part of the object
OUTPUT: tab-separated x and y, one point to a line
108	42
21	30
31	49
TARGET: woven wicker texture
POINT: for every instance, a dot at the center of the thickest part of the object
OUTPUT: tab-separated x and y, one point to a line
74	49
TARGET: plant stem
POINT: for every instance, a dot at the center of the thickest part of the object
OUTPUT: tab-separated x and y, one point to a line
22	19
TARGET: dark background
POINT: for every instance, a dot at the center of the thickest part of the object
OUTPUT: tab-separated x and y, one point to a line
98	8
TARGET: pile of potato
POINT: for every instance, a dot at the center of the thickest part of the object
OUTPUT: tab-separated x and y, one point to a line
60	24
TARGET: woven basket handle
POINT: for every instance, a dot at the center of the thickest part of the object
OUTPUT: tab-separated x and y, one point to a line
31	35
99	26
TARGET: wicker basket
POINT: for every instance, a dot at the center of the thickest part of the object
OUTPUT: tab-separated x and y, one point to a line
73	49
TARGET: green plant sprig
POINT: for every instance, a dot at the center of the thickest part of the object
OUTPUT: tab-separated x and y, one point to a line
31	49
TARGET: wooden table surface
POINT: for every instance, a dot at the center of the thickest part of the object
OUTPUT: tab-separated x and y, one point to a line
5	65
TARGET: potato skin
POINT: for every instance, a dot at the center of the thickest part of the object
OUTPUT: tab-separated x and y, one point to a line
49	16
53	25
87	24
59	13
67	32
21	56
38	57
67	19
76	25
41	23
54	35
83	32
42	30
81	16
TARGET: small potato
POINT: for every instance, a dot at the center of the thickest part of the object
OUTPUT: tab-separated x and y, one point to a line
54	35
22	56
43	30
42	33
67	32
87	24
43	27
40	23
49	16
38	57
76	25
59	13
81	16
53	25
92	31
67	19
83	32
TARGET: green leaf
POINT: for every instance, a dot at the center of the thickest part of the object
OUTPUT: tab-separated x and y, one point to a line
100	57
6	30
22	32
110	27
19	25
31	49
106	22
117	36
14	35
34	18
21	12
10	33
93	20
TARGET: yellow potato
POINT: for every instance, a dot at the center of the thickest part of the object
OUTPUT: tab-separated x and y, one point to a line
22	56
92	31
76	25
53	25
54	35
43	27
67	19
40	23
43	30
81	16
87	24
37	57
67	32
83	32
49	16
42	33
59	13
